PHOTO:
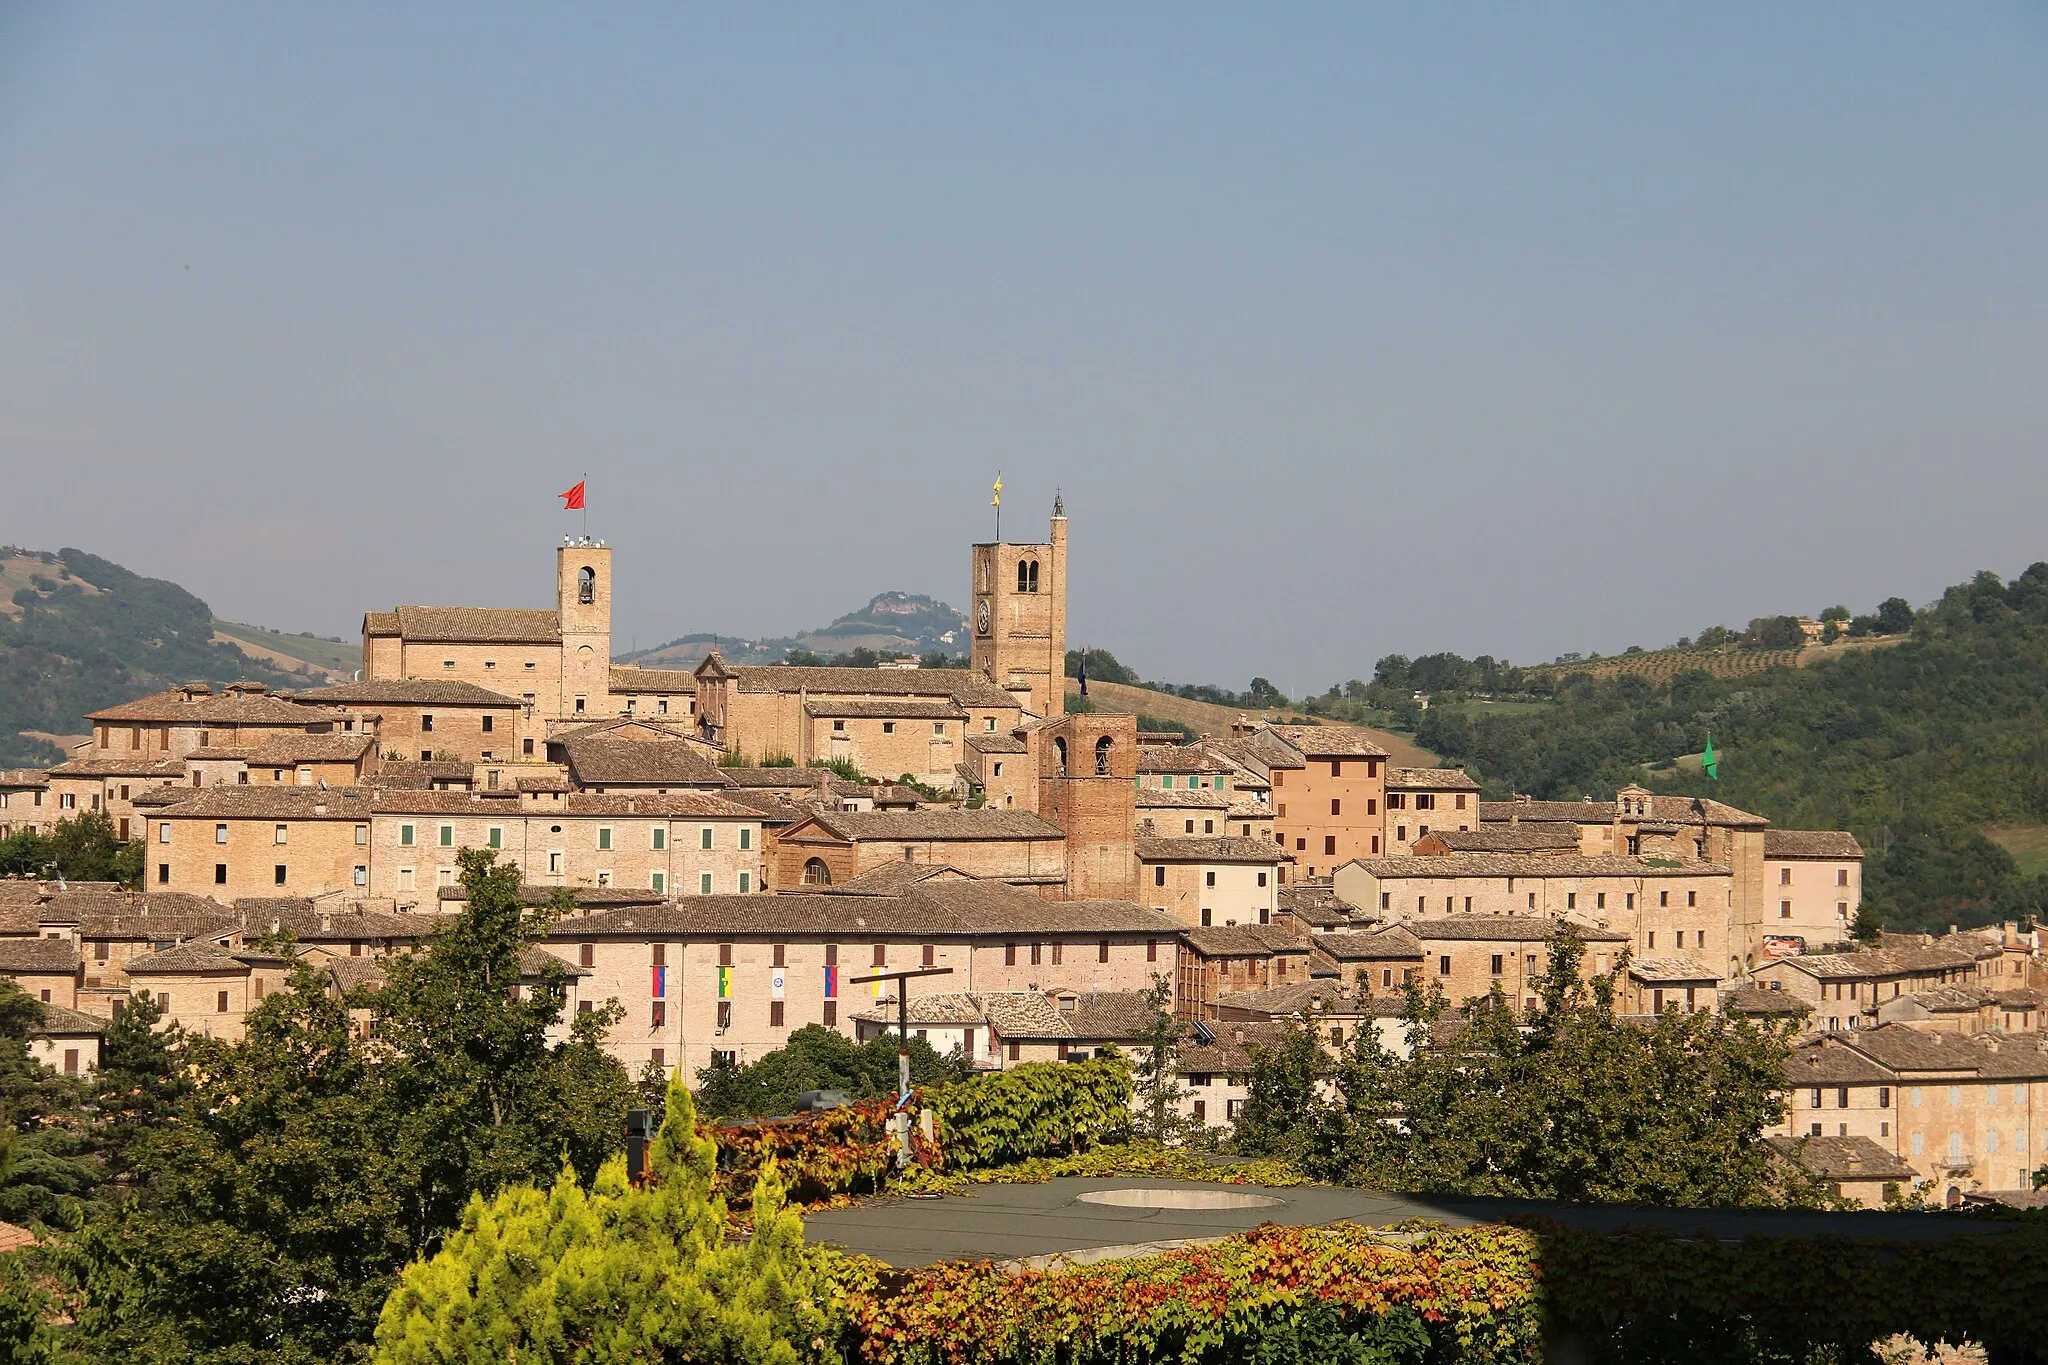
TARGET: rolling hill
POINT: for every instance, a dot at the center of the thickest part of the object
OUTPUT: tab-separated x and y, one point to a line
898	622
78	632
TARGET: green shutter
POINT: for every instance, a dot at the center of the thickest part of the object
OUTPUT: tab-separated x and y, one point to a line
604	837
746	838
447	836
706	837
660	837
497	837
704	883
405	836
660	883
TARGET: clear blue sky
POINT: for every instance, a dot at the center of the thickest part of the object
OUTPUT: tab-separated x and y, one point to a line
1346	329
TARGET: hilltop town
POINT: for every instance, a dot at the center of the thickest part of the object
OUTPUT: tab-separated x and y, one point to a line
734	845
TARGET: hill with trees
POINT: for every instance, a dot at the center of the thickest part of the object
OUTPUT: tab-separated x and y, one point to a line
78	632
1916	748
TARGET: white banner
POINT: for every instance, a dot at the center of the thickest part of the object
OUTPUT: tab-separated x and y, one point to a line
775	984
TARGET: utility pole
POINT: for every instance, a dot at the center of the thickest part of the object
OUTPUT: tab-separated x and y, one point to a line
900	1121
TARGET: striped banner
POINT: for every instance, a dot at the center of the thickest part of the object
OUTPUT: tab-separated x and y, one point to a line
725	983
831	983
659	986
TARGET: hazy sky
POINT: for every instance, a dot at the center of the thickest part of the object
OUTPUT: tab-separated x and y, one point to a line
1345	329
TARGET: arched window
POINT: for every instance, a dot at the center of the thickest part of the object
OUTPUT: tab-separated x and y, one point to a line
586	585
1023	576
1034	577
1059	757
816	873
1102	748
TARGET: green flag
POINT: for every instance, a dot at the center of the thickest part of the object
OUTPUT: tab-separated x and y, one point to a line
1708	764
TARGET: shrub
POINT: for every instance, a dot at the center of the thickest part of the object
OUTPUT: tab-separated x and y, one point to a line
1037	1109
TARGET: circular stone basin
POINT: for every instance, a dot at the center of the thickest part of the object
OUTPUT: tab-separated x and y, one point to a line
1177	1199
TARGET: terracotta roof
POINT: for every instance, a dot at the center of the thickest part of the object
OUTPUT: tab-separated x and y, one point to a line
1811	843
479	625
939	909
380	623
1163	758
168	769
24	777
884	708
233	707
1530	865
195	957
987	742
632	678
1757	1000
500	804
598	897
1828	1061
1842	1158
545	782
1232	1052
1431	779
1314	903
1296	998
1882	962
2020	1056
1251	940
1152	798
62	1022
1660	969
892	879
278	801
38	955
1203	849
1107	1016
962	685
778	777
599	760
668	805
276	750
931	1009
404	692
1385	945
1332	741
350	973
1530	838
936	825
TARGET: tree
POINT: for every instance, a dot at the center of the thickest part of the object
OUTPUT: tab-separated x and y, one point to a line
1775	632
140	1082
1894	616
1284	1113
615	1273
1838	615
1102	667
84	849
46	1164
818	1058
1156	1075
24	853
313	1160
1262	694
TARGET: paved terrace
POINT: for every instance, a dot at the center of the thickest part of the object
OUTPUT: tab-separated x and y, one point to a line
1095	1218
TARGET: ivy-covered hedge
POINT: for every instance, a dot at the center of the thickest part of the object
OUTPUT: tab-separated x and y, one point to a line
1034	1110
1277	1294
820	1156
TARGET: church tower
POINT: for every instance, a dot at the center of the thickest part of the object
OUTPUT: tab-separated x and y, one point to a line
1019	624
583	605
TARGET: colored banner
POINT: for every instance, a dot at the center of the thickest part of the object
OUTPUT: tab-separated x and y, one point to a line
659	986
831	983
775	984
725	983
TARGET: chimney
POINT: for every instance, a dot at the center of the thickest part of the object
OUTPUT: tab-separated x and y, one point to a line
326	922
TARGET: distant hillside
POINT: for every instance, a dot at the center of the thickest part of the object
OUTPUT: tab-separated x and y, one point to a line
1207	718
78	632
899	622
1722	661
335	659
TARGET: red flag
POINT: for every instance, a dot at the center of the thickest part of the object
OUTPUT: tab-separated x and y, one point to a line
572	500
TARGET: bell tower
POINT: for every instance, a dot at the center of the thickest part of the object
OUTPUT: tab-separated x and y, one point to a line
583	605
1019	622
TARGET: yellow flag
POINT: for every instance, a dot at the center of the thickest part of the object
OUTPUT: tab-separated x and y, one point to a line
997	500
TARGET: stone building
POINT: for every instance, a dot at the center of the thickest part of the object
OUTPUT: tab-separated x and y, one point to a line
1420	800
420	718
826	848
1087	789
556	663
1220	880
1814	884
1019	617
1327	802
233	841
1219	962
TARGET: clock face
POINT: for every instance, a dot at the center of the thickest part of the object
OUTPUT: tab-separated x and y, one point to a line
981	617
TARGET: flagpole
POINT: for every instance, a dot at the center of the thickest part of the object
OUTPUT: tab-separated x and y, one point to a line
585	509
999	507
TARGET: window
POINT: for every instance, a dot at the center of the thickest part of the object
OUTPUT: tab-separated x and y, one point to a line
405	836
426	723
657	1013
926	954
220	834
279	874
888	727
220	874
1037	951
1205	925
746	882
831	1012
604	838
1784	909
1692	898
774	1014
704	879
1571	900
746	838
1497	964
1653	940
1663	898
938	727
495	837
1208	879
1630	900
526	748
362	875
704	837
1443	965
447	836
1329	845
659	839
1841	876
163	873
580	706
586	585
1784	876
1102	951
657	882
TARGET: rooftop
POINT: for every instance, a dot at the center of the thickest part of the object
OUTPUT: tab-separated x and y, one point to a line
404	692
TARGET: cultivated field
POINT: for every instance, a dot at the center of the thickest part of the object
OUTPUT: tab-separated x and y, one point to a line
288	651
1723	661
2028	845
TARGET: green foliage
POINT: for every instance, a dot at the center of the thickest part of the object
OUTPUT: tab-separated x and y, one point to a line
818	1058
1102	667
1037	1109
1774	632
1912	747
1155	1077
85	849
140	1083
842	766
614	1273
311	1162
72	651
47	1168
24	853
1567	1102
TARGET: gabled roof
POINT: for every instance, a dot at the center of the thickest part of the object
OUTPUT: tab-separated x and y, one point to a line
962	685
1250	940
1681	810
404	692
1384	945
930	1009
1097	1016
479	625
194	957
1190	758
1662	970
166	769
1529	838
632	678
1834	844
1759	1002
939	909
1532	865
283	750
603	760
1330	741
1505	929
1431	779
1842	1158
62	1022
279	801
1828	1060
893	879
925	826
1196	848
240	704
38	955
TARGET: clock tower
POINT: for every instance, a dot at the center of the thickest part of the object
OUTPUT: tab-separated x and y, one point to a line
1019	617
